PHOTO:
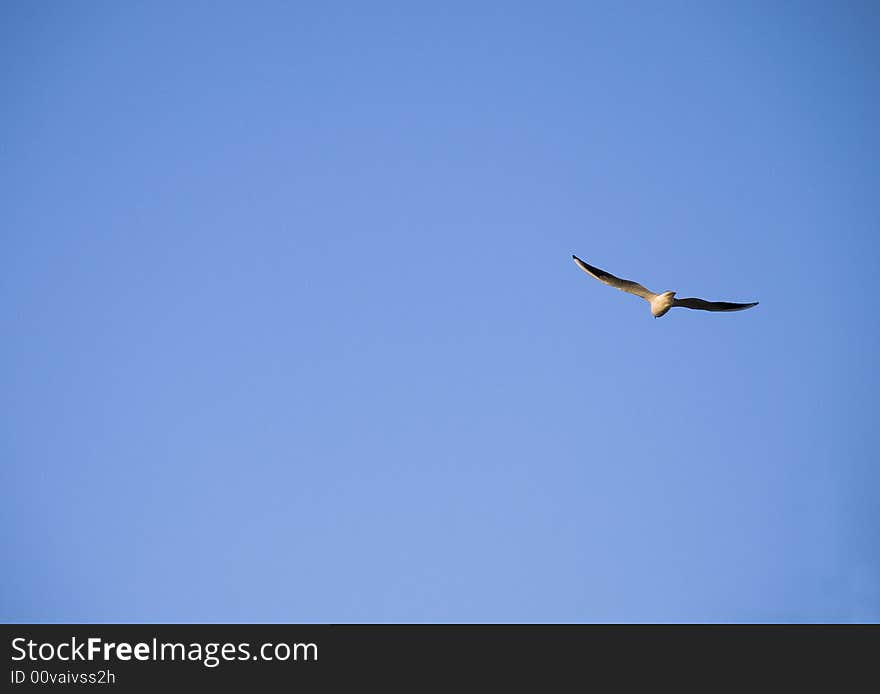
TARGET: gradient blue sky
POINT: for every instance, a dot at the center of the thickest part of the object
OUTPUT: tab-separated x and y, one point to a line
291	331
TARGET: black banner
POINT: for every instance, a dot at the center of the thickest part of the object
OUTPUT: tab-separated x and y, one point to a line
151	657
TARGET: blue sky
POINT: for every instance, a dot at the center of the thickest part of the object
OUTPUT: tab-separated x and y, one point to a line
291	331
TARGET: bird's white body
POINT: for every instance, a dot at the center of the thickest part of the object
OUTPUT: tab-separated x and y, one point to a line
661	303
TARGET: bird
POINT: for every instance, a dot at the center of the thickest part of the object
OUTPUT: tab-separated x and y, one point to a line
660	303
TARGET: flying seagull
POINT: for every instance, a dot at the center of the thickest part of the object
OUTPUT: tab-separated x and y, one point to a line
660	303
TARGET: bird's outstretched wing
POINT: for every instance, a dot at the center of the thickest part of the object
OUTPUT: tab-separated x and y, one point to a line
616	282
702	305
